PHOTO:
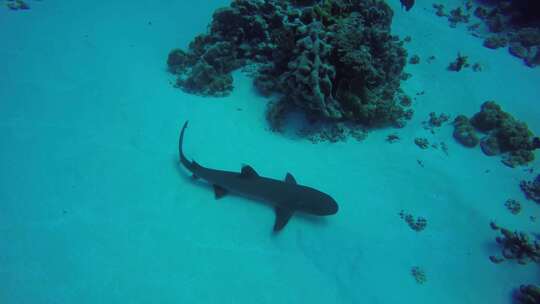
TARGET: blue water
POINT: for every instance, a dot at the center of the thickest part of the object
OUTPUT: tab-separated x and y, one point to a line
94	207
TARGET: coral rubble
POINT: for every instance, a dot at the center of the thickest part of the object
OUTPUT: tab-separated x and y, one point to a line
335	132
335	60
515	24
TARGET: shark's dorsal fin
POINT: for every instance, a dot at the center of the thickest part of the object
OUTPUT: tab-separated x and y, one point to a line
219	191
289	179
248	172
282	217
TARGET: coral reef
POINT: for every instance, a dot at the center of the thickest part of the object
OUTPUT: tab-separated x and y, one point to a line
419	275
513	206
502	23
531	189
504	134
528	294
275	114
177	61
203	79
514	23
516	246
495	41
464	132
334	60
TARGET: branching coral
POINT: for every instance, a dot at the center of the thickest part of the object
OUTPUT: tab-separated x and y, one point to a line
517	246
528	294
531	189
309	81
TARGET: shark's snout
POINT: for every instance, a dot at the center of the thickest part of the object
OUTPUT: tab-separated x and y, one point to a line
325	205
331	207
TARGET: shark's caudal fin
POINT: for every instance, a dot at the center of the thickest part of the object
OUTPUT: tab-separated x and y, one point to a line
188	164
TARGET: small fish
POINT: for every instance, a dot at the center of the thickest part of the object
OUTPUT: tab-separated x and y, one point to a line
407	4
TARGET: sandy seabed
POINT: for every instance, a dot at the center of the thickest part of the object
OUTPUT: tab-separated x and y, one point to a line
95	209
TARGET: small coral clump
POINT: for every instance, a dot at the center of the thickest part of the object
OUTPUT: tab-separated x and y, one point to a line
458	64
415	59
504	134
513	206
458	16
531	189
417	225
17	5
392	138
421	142
435	121
419	275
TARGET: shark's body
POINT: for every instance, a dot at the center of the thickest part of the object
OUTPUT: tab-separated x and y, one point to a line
286	196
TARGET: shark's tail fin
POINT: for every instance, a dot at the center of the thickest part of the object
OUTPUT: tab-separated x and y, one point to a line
188	164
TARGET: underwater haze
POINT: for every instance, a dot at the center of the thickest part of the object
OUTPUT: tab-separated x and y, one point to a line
420	119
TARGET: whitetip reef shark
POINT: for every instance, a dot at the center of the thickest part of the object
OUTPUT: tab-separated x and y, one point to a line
286	196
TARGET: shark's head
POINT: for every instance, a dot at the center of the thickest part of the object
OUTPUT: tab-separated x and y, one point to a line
316	202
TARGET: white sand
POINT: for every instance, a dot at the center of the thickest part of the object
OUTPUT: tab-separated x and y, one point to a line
94	208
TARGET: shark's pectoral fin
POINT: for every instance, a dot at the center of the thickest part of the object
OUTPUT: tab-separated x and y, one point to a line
219	191
282	217
248	172
289	179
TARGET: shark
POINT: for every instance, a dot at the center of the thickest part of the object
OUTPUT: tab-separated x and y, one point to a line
286	196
